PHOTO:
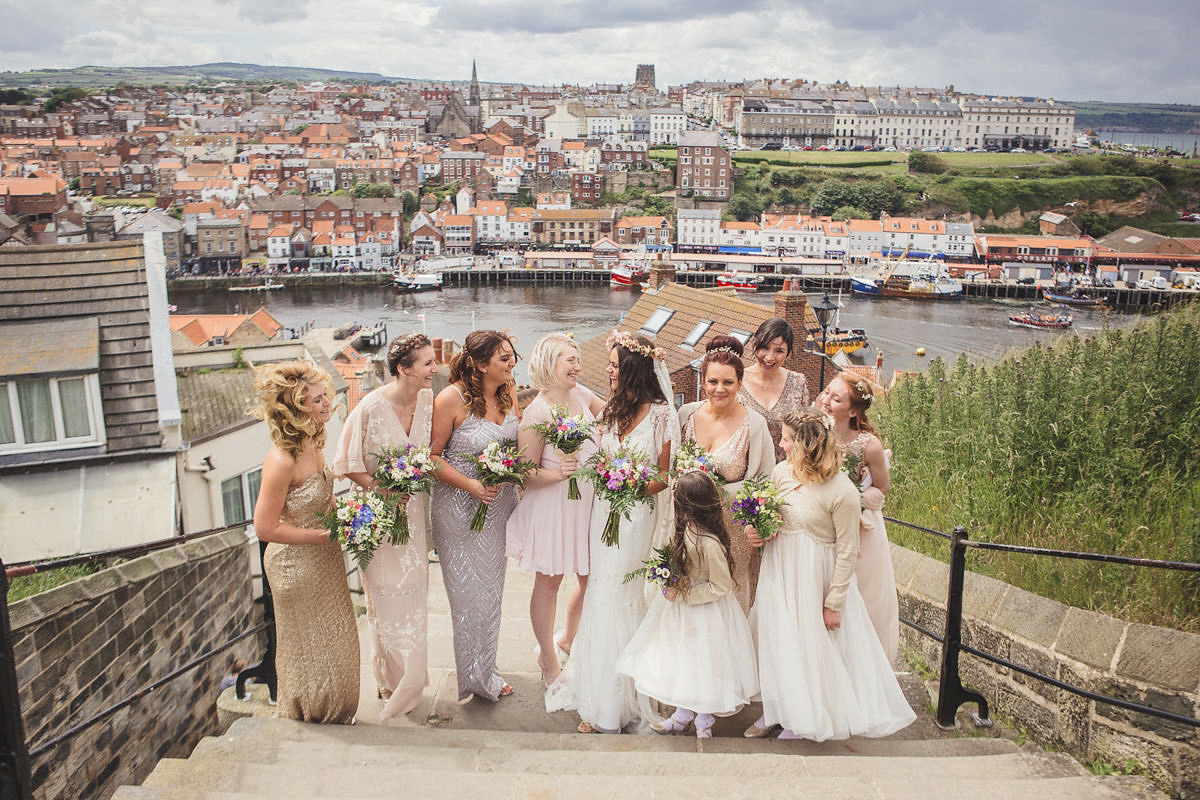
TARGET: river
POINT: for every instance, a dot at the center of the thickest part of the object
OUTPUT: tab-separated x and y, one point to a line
897	327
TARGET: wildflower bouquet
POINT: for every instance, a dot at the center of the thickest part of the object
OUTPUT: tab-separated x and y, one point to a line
408	470
359	522
852	465
566	434
759	503
693	457
620	478
660	569
499	463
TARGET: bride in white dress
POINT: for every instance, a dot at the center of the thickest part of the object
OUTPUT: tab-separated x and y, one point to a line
639	412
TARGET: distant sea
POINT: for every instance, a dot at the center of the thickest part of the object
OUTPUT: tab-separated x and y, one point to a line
1182	142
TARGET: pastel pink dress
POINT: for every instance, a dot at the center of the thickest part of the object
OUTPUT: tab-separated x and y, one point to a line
548	533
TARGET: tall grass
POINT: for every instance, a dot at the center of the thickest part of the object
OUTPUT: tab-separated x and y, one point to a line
1092	444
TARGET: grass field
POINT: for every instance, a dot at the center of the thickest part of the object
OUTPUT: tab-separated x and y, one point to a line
108	201
833	158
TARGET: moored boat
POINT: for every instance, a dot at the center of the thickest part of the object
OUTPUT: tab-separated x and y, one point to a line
741	281
859	285
418	281
261	287
845	341
1075	298
1041	320
627	275
922	287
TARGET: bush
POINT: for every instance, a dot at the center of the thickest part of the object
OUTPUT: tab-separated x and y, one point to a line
919	161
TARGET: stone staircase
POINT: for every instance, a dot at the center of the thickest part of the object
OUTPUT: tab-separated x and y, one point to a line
272	758
514	749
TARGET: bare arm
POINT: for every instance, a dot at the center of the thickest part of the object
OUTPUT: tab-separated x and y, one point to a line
664	464
276	479
449	411
534	445
877	463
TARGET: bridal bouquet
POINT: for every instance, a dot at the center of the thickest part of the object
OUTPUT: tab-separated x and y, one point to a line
759	503
566	434
660	569
692	457
499	463
408	470
359	522
620	478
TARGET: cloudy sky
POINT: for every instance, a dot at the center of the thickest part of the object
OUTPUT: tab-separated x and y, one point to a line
1070	49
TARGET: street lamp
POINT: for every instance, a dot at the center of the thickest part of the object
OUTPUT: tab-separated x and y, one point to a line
822	310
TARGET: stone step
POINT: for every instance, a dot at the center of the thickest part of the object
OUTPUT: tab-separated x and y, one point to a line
209	780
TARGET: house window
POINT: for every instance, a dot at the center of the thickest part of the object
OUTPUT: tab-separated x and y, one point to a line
50	413
697	332
657	320
239	494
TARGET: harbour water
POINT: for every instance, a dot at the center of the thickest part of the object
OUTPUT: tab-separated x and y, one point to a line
895	326
1180	142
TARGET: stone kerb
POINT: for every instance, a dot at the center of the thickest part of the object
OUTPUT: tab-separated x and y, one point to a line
89	644
1153	666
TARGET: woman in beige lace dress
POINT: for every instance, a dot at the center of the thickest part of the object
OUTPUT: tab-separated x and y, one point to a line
769	388
396	581
738	440
317	643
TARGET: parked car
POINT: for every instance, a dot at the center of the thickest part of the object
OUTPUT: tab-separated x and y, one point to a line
1107	282
772	146
1189	216
1018	150
1027	281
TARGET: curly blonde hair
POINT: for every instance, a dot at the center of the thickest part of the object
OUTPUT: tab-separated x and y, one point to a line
815	456
283	404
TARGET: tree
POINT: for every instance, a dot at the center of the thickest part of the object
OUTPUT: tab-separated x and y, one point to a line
18	97
411	202
745	207
850	212
919	161
66	94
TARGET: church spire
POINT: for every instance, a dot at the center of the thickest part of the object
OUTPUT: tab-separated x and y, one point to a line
473	98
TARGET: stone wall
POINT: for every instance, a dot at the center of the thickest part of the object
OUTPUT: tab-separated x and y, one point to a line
86	645
1153	666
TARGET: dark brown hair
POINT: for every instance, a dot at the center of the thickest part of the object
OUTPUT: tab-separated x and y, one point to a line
699	506
723	350
636	385
478	349
771	330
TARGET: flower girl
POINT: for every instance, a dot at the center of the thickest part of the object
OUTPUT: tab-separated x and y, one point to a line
694	650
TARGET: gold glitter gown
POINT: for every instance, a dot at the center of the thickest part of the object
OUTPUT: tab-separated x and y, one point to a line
317	640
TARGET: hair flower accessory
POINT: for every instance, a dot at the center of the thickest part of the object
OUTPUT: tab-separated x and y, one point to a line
827	421
626	339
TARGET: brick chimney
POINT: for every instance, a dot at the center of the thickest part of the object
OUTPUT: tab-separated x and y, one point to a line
662	272
792	305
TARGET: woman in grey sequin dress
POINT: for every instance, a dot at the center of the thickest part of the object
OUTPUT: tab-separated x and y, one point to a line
477	408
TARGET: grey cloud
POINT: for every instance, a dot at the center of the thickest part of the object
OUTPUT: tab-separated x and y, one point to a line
538	16
269	11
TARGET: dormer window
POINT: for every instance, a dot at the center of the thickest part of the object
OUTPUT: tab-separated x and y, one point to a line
657	320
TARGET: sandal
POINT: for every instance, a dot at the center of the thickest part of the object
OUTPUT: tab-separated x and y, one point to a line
563	652
704	725
585	728
506	690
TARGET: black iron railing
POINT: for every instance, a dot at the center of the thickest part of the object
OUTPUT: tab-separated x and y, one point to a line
15	751
951	692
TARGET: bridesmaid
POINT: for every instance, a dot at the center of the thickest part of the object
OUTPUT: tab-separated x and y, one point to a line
769	388
846	399
739	441
317	639
548	533
396	581
476	409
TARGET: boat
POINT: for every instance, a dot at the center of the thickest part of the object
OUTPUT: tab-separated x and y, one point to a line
866	285
627	275
263	287
1075	298
902	277
418	281
845	341
741	281
1041	320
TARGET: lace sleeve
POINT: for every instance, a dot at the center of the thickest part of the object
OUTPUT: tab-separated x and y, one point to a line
665	424
350	456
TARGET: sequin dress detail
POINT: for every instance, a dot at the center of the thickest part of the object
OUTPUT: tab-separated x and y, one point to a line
473	563
793	398
317	640
396	582
876	575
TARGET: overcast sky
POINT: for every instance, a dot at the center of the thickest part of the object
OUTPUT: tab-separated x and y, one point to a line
1070	49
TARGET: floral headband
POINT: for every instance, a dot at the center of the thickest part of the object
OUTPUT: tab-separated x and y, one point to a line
626	340
723	350
860	387
402	344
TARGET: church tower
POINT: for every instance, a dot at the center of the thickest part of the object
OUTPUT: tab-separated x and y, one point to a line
473	97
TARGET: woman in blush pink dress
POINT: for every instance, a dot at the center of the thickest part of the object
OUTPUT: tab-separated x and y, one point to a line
396	582
548	533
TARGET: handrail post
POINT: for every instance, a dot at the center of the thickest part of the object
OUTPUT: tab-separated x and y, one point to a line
264	670
15	780
951	693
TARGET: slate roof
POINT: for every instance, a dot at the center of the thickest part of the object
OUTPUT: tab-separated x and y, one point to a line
215	402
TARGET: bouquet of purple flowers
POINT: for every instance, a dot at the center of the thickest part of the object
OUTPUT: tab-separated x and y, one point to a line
359	522
499	463
566	434
408	470
759	503
620	478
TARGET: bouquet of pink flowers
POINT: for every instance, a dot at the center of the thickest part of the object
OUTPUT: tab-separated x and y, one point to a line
408	470
759	503
359	522
566	434
620	478
499	463
692	457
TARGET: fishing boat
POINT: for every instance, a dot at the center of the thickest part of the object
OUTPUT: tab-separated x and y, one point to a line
845	341
1075	298
1041	320
264	287
418	281
627	275
862	285
741	281
900	277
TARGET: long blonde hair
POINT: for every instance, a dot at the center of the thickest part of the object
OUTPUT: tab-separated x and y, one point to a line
815	456
283	402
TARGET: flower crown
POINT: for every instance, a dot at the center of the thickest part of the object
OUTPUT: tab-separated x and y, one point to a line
402	344
722	350
626	340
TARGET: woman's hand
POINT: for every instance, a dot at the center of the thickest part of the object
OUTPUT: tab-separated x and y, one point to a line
567	466
752	536
484	494
831	618
671	593
872	499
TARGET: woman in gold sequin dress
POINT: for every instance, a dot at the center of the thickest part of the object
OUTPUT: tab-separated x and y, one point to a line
739	441
317	642
770	388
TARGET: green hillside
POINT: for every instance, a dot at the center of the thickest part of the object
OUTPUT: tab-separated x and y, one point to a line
1143	117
